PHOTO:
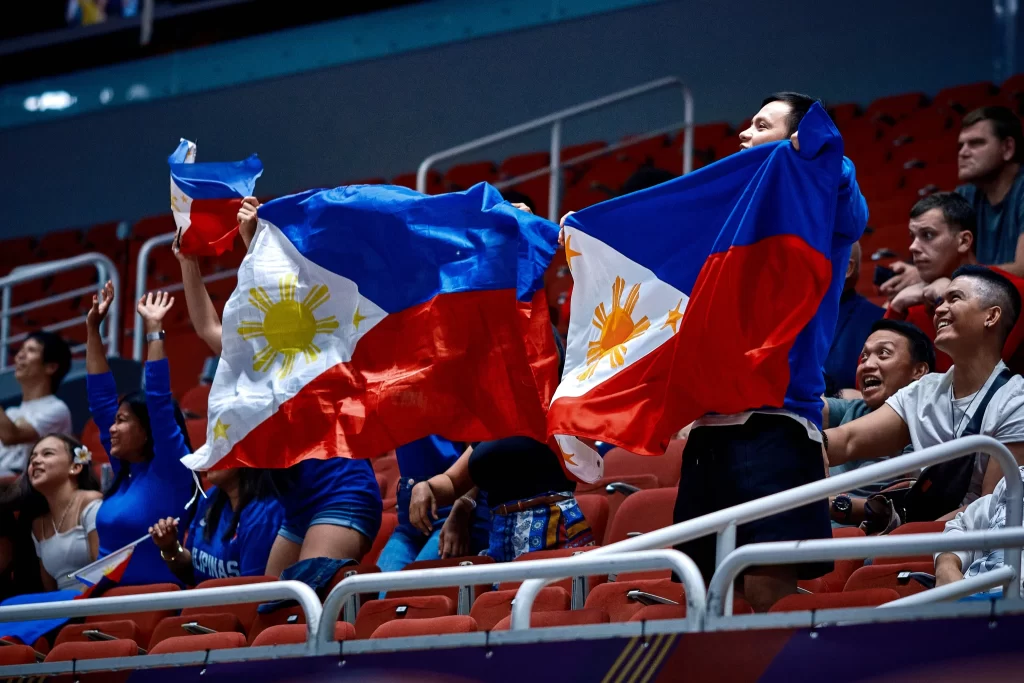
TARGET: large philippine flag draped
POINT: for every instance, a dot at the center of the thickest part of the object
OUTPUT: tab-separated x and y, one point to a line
366	317
689	296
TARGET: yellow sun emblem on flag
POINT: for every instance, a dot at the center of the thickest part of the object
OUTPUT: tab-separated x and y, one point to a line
616	328
288	326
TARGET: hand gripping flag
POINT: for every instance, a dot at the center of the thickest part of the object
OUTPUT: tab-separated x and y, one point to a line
691	297
205	199
366	317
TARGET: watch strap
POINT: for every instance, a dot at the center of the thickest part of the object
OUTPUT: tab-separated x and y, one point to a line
155	336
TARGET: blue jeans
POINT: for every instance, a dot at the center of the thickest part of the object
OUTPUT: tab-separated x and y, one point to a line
406	545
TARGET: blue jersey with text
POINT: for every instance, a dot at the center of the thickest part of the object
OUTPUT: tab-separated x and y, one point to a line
246	552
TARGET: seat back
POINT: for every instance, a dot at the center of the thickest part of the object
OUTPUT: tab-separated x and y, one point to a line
13	655
912	528
388	522
122	629
432	626
246	613
595	509
492	607
146	621
207	642
665	467
613	597
450	592
283	616
295	634
377	612
576	617
171	627
888	576
641	512
100	649
551	554
835	580
869	597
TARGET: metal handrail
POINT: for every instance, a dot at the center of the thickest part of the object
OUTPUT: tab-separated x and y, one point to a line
970	585
201	597
796	552
555	121
105	270
555	568
724	522
142	277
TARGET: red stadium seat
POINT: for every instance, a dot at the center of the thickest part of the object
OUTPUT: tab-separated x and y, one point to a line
870	597
706	135
896	107
388	522
121	629
208	641
549	554
295	634
196	431
642	151
577	617
595	509
15	655
377	612
465	176
844	114
283	616
435	183
433	626
451	592
196	400
659	612
888	576
835	580
612	597
171	627
59	245
522	164
619	461
966	97
146	621
912	528
100	649
641	512
492	607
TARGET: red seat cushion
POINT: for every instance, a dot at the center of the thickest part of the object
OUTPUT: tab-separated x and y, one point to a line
576	617
246	612
122	629
870	597
492	607
100	649
887	576
13	655
612	597
208	641
146	621
170	627
295	634
377	612
403	628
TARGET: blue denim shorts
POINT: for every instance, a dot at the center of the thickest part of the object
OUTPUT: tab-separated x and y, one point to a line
364	519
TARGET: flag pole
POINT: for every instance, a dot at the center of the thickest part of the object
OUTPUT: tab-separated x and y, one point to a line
100	560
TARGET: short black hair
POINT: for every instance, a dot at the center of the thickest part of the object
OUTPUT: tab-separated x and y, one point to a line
55	350
1005	124
922	350
956	211
799	105
645	177
998	291
516	197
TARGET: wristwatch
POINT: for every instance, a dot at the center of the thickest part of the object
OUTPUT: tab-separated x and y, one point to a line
842	506
175	553
155	336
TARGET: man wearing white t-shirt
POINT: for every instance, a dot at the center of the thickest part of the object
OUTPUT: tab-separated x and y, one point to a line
978	310
39	367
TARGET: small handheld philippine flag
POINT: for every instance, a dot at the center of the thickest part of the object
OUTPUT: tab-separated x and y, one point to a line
205	199
106	572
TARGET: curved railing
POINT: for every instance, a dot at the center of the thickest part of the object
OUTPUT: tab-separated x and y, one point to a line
724	522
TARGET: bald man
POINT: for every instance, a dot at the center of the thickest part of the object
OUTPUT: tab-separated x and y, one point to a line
856	316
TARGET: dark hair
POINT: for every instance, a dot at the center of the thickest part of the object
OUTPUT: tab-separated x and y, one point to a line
55	350
514	197
1005	124
922	350
799	105
32	503
137	404
253	484
956	211
997	291
645	177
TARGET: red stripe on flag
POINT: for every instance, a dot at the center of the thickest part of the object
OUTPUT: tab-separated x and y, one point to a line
471	366
731	353
213	226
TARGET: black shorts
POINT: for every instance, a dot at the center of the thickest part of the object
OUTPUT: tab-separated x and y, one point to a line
732	464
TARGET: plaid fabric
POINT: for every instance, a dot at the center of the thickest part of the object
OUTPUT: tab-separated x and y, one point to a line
558	525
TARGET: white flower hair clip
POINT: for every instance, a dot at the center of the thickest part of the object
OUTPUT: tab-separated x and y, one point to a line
82	456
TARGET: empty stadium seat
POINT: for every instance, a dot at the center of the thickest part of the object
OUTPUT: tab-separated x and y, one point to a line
121	629
578	617
451	592
146	621
196	400
966	97
896	107
641	512
295	634
912	528
835	580
435	182
492	607
14	655
432	626
464	176
888	576
613	597
245	612
595	509
620	462
550	554
207	641
522	164
659	612
284	616
869	597
377	612
100	649
616	497
171	627
196	431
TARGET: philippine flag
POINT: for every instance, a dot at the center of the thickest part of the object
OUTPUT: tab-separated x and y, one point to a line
205	199
691	297
366	317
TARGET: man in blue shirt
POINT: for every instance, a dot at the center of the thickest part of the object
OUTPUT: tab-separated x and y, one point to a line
853	325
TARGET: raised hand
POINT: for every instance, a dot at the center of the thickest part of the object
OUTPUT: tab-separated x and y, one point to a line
153	307
247	214
164	533
100	306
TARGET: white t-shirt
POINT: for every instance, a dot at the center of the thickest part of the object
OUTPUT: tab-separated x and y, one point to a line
931	414
47	415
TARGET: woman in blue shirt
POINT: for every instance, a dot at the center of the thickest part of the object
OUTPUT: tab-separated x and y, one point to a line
144	434
232	531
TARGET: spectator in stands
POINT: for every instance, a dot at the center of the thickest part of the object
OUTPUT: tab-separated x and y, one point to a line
332	507
853	325
417	462
978	311
985	514
231	533
144	433
39	367
895	354
62	500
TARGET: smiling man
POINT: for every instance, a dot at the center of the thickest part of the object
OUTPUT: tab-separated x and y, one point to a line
978	310
39	367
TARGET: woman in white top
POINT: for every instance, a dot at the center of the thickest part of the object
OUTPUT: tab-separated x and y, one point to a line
62	502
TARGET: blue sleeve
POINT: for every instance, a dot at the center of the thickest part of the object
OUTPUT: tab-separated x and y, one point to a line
102	393
168	441
851	209
256	534
837	408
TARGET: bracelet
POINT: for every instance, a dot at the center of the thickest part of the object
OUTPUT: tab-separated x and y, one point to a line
824	440
155	336
178	550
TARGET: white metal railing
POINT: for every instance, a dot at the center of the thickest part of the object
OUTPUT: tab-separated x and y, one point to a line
554	568
555	121
724	522
796	552
970	585
105	270
142	278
